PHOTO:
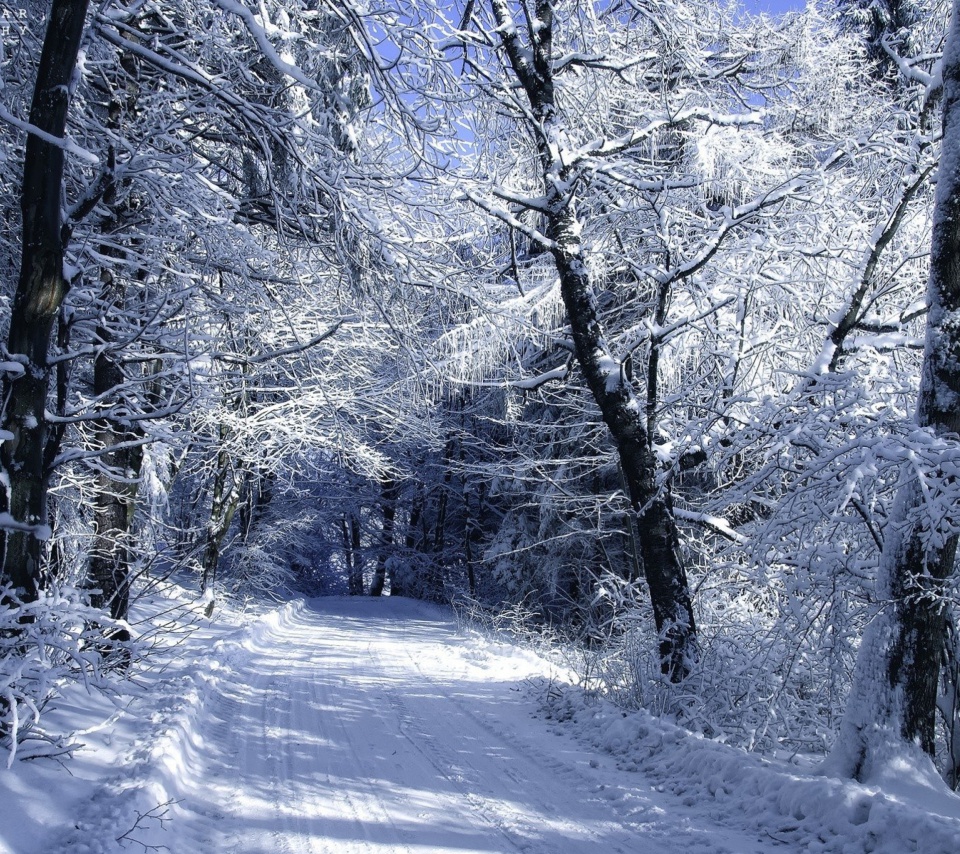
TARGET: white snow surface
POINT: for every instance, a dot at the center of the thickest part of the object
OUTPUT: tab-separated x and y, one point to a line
358	725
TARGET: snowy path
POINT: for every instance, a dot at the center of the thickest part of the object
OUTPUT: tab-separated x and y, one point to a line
366	726
359	726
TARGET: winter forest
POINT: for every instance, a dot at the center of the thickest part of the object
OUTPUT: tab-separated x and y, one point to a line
627	327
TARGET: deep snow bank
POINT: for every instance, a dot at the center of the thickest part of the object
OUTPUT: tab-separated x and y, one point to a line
134	745
164	759
823	815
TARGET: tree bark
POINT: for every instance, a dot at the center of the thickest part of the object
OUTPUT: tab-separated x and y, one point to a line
114	504
40	291
389	492
605	376
227	490
892	707
350	530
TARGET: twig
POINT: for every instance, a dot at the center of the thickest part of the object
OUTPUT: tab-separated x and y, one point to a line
159	813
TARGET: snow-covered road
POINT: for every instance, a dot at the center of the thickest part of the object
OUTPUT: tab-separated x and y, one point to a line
363	726
354	726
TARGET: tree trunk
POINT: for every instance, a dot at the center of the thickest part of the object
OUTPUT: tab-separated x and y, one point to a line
605	376
40	291
471	532
258	494
892	707
948	704
414	539
350	529
659	540
389	493
227	489
117	481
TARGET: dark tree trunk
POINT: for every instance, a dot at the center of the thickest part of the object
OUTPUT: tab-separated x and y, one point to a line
227	489
607	378
40	291
471	532
658	537
892	707
440	524
425	572
356	581
117	481
257	497
388	503
414	539
118	476
350	530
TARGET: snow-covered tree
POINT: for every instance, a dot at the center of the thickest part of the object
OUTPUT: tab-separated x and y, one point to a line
606	170
26	453
892	710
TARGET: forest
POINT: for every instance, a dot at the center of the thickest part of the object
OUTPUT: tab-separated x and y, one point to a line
633	324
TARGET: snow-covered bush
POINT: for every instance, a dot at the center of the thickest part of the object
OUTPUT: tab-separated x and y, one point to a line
275	553
42	645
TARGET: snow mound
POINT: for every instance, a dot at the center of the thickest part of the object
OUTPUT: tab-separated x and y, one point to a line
823	815
131	772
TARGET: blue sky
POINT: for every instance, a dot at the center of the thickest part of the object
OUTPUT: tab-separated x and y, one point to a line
774	7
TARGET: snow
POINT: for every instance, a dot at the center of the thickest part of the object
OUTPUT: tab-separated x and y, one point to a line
8	522
611	370
67	144
355	725
904	813
262	34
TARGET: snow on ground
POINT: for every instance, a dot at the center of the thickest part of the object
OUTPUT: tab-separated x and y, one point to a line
818	814
359	726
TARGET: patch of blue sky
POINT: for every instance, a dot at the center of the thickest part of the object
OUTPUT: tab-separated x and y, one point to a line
773	7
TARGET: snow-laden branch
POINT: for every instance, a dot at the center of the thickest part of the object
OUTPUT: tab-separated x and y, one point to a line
648	331
8	523
509	219
621	144
732	218
533	383
234	359
715	523
74	454
909	69
643	185
540	203
65	144
90	197
598	61
847	319
260	36
119	413
185	69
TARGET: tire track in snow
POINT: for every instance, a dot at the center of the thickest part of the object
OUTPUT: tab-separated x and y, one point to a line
481	784
635	820
633	817
449	784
